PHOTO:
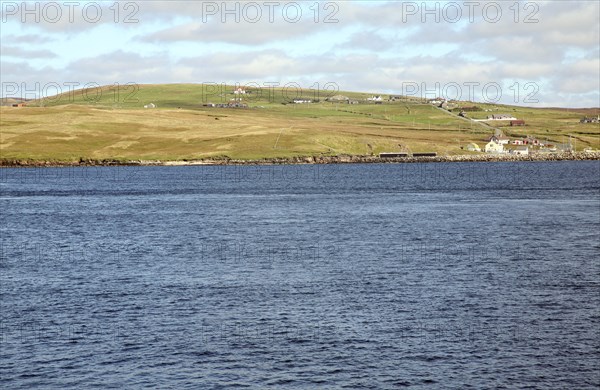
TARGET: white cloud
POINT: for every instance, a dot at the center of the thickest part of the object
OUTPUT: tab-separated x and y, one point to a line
20	52
26	39
373	46
236	33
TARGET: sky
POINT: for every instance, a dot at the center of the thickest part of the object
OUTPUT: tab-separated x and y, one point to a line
531	53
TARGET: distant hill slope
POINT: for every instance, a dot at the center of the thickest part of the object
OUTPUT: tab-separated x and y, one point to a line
10	101
191	95
111	122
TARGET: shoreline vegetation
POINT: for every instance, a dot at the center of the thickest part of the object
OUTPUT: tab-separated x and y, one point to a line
304	160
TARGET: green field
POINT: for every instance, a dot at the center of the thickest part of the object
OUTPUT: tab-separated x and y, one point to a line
107	123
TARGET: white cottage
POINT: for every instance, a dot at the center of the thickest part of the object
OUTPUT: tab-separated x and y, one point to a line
521	150
494	147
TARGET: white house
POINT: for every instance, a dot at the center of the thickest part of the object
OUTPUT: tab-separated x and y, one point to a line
499	139
437	101
376	98
494	147
521	150
151	105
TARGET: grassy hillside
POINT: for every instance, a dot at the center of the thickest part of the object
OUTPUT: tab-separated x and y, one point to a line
109	123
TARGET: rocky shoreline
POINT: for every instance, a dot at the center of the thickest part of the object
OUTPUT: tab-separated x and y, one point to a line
342	159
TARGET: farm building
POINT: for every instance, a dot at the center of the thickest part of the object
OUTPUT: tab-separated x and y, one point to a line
436	101
392	154
501	117
425	154
473	147
590	120
518	122
521	150
531	141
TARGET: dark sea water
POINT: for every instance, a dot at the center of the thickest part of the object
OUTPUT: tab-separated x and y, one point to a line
453	276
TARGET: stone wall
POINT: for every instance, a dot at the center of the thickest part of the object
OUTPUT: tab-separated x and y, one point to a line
343	159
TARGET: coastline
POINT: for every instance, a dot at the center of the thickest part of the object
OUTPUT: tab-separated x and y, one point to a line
342	159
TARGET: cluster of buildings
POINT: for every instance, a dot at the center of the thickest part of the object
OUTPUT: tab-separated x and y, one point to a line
377	99
232	104
236	102
585	119
436	101
501	117
443	103
501	144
